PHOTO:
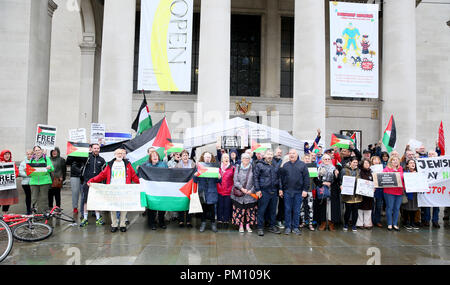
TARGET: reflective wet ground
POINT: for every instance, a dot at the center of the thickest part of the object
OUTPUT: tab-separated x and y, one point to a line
181	246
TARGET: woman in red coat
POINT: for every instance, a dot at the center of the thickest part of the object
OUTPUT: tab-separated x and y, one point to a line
117	172
224	189
8	197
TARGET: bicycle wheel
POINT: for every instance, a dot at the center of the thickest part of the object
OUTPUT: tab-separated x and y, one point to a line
32	231
6	240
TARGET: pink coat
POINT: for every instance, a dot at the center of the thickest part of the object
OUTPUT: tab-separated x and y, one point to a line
398	190
227	182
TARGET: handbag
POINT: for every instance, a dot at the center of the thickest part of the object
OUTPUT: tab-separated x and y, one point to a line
57	182
194	205
236	191
323	192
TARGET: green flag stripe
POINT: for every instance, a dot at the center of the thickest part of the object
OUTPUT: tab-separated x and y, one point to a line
6	172
141	161
160	203
145	125
47	134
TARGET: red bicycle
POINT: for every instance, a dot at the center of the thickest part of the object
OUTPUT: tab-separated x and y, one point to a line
27	227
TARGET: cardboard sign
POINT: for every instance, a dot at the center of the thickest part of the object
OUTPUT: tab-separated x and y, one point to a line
348	185
414	144
109	197
387	180
437	171
229	142
7	176
415	182
46	137
98	133
78	135
365	187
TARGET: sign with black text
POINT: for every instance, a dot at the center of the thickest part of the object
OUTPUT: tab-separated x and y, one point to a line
437	170
46	137
387	180
7	176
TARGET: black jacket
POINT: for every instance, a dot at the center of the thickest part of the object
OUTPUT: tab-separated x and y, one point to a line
76	165
266	177
93	166
295	177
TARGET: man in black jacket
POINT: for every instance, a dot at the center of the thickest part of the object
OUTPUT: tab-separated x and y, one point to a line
94	165
295	185
267	185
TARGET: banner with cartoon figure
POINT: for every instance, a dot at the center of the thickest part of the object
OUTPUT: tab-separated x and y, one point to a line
354	50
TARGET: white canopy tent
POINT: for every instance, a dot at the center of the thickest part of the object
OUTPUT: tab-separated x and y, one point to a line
208	134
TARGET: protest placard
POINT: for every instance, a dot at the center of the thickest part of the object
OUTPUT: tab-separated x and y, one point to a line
437	170
228	142
78	135
98	133
7	176
365	187
415	182
109	197
46	136
414	144
377	168
348	185
387	180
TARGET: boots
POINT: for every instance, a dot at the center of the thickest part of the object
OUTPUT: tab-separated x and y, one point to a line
331	226
214	227
202	227
322	226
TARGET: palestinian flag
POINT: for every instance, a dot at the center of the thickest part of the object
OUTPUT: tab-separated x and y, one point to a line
313	171
174	146
107	151
341	141
143	120
77	149
260	147
158	137
166	189
441	141
7	176
46	131
207	172
316	148
36	169
7	169
390	135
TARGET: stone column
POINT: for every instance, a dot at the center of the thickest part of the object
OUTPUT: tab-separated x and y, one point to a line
214	61
116	73
86	83
309	69
272	51
399	69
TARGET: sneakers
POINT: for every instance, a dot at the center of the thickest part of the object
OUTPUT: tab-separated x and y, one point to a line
202	227
99	221
241	229
249	229
84	222
345	228
298	231
287	231
274	230
260	232
415	227
436	225
408	226
311	228
214	227
280	224
354	229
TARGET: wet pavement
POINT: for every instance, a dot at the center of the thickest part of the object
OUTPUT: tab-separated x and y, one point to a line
181	246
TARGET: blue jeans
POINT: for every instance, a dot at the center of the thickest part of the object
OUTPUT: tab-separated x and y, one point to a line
378	205
292	207
393	203
267	202
426	214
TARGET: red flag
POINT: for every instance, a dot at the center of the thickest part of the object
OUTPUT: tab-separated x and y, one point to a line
441	142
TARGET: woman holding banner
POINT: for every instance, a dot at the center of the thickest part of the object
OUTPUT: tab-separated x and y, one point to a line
40	182
393	195
207	191
11	196
185	162
412	206
151	214
351	201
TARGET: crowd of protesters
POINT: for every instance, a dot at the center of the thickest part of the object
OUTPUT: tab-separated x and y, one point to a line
254	191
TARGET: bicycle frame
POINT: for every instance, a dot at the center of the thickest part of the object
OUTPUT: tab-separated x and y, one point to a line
17	219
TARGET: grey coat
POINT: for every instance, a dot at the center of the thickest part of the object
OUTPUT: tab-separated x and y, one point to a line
239	181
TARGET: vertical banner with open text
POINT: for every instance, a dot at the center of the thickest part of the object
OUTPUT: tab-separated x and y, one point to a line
165	45
354	50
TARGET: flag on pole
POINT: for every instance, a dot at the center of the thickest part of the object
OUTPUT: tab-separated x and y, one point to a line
316	148
341	141
390	135
77	149
143	120
166	189
441	142
260	147
157	137
173	146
